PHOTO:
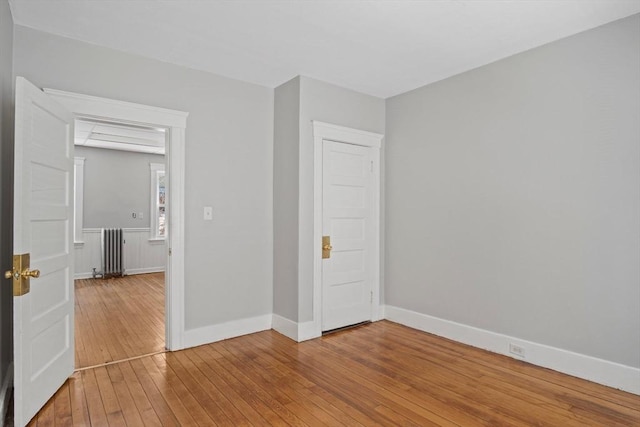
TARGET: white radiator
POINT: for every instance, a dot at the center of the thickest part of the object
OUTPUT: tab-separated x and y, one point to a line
112	253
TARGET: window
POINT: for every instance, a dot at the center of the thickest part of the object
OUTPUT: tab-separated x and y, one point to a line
158	200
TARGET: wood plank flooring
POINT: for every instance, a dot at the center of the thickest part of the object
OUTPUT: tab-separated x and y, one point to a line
381	374
118	318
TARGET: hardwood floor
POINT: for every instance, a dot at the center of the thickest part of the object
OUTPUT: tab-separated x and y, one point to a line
118	318
381	374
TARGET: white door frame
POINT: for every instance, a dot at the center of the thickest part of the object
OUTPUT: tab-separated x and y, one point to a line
91	107
326	131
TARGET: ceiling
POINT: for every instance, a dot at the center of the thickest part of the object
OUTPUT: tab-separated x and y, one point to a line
382	48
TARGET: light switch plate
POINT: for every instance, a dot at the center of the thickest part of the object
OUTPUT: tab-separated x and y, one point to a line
208	213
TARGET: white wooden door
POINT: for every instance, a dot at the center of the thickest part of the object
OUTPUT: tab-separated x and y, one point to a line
347	218
43	226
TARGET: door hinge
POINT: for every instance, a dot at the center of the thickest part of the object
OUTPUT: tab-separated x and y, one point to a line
371	165
371	294
169	251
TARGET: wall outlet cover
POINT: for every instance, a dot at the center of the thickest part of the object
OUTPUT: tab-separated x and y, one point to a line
516	349
208	213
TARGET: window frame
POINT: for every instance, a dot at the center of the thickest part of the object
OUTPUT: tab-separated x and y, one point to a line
155	170
78	205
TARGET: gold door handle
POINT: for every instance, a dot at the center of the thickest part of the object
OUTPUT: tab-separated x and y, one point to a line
30	273
21	274
9	274
326	247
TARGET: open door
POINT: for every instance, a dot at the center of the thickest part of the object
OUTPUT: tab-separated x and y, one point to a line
42	229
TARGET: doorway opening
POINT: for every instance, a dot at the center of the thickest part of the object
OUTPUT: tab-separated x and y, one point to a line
173	123
120	233
43	232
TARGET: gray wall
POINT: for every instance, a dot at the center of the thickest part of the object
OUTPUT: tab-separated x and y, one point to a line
229	164
286	153
116	184
513	195
332	104
6	187
297	103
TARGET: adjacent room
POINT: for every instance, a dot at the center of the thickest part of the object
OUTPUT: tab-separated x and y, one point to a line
119	241
320	213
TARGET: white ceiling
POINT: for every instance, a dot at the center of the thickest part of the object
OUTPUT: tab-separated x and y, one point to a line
382	48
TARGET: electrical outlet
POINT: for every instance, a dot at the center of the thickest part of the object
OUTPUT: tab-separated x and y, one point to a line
516	349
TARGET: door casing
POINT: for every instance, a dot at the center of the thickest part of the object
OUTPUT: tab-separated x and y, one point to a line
175	122
326	131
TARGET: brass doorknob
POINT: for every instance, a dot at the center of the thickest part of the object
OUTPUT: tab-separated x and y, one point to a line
326	247
26	273
30	273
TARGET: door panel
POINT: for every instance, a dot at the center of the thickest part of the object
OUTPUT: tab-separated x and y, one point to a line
348	219
43	218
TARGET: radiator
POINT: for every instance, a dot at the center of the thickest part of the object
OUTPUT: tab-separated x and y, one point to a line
112	253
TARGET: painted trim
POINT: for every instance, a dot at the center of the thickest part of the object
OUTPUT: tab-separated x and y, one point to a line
307	331
146	270
578	365
344	134
223	331
175	122
175	235
126	229
101	108
326	131
296	331
131	272
5	391
141	255
78	193
286	327
157	241
154	171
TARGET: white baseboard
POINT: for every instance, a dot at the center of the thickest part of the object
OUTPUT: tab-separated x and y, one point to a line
130	272
286	327
378	314
223	331
578	365
5	391
308	331
296	331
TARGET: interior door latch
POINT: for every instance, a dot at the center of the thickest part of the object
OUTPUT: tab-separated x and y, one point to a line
21	274
326	247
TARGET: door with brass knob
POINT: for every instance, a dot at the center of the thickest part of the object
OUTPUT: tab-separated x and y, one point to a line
348	229
43	350
21	274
